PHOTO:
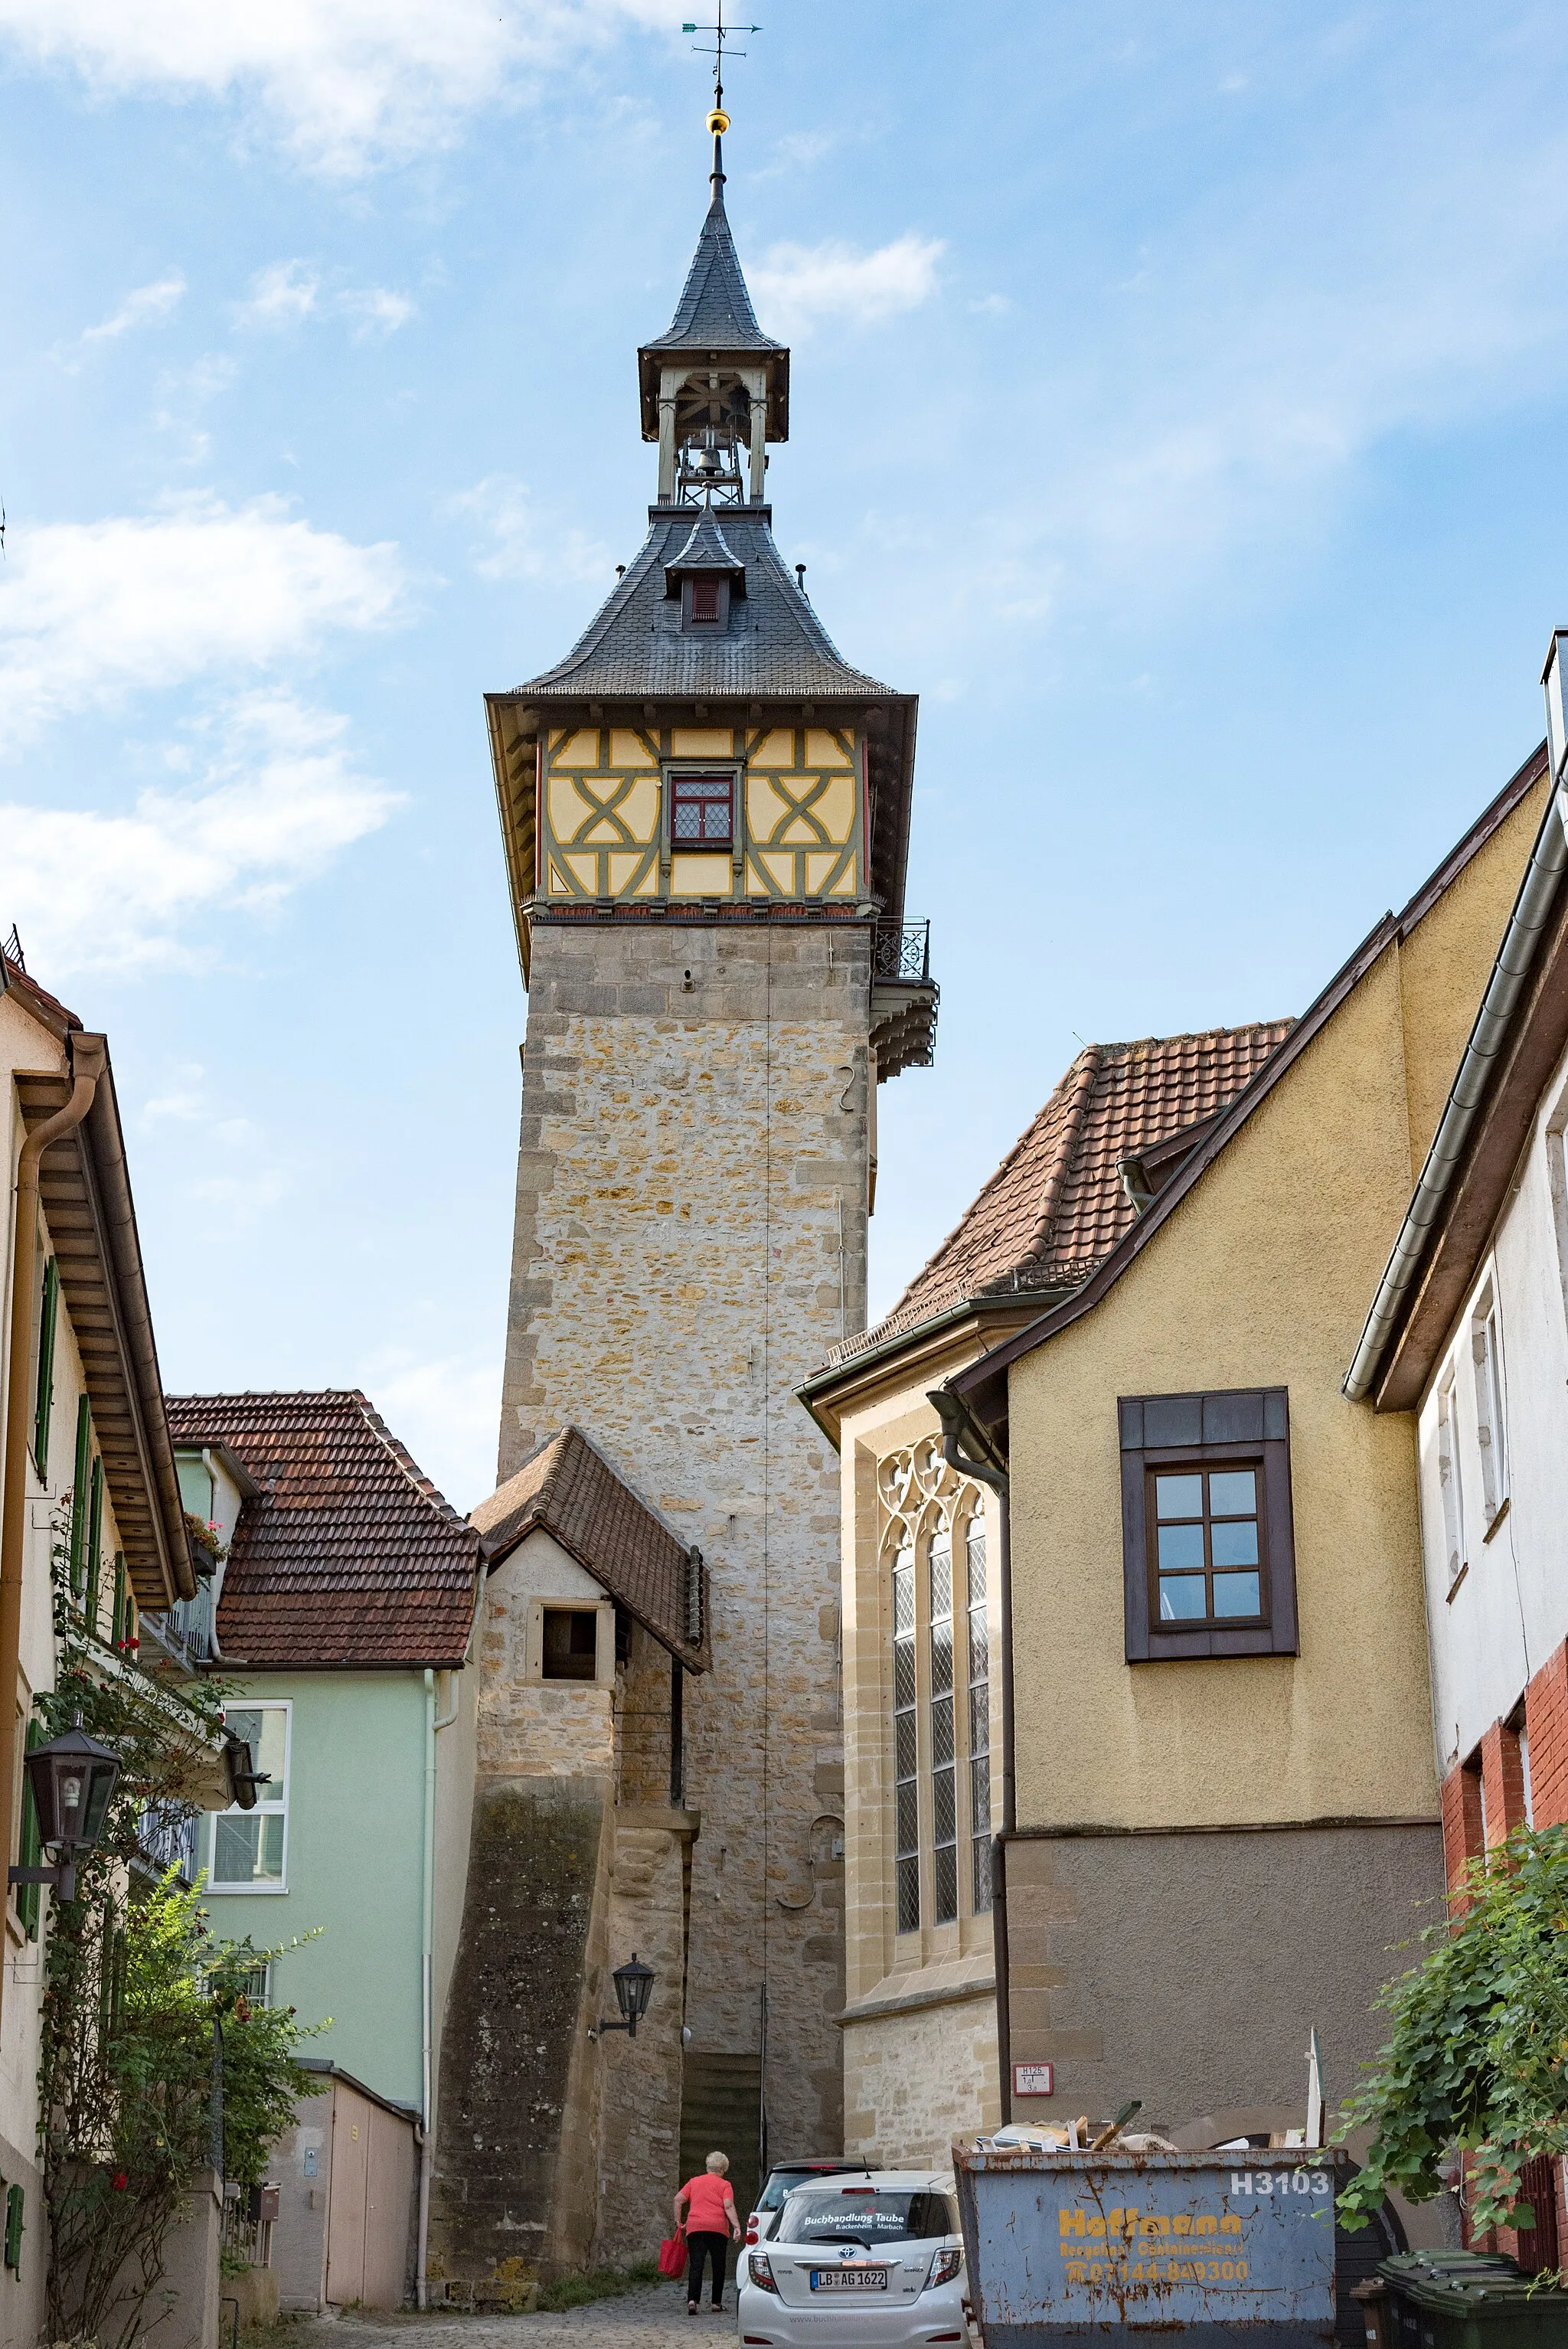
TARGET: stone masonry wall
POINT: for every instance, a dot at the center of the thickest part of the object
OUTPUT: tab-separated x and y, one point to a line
914	2082
690	1242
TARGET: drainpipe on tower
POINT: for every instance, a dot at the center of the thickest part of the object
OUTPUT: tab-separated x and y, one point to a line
87	1063
966	1448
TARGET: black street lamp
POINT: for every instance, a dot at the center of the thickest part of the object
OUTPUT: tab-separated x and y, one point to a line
634	1987
72	1778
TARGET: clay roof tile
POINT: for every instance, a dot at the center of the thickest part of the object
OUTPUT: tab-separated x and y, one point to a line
571	1490
349	1556
1056	1204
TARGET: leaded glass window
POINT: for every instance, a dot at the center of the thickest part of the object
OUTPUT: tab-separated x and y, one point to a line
979	1718
944	1764
905	1718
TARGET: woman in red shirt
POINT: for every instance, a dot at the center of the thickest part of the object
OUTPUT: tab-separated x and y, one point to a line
705	2207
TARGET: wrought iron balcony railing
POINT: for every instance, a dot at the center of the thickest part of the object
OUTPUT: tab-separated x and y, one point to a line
902	950
165	1843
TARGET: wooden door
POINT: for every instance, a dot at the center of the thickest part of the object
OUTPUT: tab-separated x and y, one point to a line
351	2115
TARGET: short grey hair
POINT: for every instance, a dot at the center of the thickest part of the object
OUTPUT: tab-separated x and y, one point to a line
719	2161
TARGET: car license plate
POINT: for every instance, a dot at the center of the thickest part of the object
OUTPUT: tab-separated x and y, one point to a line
849	2278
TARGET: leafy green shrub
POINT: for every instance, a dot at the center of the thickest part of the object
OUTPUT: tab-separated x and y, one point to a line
1477	2062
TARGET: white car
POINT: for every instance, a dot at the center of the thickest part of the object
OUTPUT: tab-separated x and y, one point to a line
873	2261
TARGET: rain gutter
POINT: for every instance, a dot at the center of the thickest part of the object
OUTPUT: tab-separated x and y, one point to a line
1511	974
88	1060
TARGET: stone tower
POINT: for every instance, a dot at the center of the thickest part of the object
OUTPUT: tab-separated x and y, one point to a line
705	816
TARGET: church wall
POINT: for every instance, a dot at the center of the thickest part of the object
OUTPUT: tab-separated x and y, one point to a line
691	1243
914	2081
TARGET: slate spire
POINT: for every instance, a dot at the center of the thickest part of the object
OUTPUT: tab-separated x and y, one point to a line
714	388
714	310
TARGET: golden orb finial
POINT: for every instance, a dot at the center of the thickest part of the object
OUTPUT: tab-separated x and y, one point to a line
718	121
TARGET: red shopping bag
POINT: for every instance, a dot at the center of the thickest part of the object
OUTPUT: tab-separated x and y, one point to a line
673	2256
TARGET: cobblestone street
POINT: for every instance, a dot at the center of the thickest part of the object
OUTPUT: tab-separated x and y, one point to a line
653	2318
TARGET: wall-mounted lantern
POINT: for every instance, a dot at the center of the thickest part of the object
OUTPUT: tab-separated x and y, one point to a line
72	1778
634	1987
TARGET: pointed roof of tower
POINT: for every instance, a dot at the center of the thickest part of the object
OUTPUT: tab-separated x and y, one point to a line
715	312
715	320
634	644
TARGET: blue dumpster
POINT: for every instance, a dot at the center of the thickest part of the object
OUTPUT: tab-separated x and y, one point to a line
1217	2248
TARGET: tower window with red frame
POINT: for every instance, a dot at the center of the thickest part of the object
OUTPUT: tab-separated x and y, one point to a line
702	811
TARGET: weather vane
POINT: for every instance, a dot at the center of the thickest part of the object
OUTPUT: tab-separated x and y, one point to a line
721	32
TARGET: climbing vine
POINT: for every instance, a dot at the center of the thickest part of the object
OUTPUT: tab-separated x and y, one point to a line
133	1985
1478	2059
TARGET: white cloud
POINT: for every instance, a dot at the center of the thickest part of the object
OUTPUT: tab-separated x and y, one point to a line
277	798
281	295
446	1411
145	305
287	293
797	285
346	83
376	311
519	543
92	611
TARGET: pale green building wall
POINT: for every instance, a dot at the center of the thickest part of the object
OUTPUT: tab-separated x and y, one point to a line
355	1865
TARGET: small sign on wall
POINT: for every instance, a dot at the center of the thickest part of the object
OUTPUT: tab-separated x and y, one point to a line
1034	2080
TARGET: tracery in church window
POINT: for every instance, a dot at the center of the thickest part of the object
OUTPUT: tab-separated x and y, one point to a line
934	1541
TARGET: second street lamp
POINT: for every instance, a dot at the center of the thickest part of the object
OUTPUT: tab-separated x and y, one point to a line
634	1987
71	1778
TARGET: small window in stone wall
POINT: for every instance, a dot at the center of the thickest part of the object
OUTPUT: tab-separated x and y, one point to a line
571	1644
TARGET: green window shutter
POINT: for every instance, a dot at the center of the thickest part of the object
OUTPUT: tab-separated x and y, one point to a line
32	1851
95	1541
80	1491
15	2201
118	1632
48	1316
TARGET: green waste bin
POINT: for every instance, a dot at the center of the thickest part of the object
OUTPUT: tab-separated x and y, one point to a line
1468	2299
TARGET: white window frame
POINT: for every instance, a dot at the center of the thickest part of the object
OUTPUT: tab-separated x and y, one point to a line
1450	1477
265	1806
1492	1434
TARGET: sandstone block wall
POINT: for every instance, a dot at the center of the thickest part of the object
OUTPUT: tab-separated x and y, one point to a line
914	2082
690	1241
518	2086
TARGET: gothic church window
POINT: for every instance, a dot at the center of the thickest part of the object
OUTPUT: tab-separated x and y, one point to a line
906	1745
979	1718
943	1769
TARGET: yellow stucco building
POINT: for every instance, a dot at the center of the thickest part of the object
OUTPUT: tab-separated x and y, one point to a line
1136	1695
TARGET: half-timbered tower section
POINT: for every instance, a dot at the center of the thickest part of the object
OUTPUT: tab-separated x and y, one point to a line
705	811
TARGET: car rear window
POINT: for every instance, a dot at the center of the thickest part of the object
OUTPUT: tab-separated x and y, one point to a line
779	2183
860	2214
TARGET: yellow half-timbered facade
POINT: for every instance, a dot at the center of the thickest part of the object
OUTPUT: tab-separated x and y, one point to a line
782	813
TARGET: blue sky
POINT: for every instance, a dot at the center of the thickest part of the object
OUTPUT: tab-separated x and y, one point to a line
1179	407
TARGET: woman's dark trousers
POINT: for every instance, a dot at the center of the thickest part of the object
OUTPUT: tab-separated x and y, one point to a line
700	2249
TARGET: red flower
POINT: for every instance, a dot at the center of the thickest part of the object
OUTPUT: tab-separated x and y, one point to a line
120	2181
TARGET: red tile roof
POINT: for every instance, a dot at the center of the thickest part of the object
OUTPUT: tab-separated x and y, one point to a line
571	1490
349	1556
1056	1205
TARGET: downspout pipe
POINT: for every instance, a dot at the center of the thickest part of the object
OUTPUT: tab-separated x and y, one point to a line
1511	974
87	1057
433	1721
966	1448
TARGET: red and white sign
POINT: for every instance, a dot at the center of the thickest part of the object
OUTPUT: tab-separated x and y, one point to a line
1034	2080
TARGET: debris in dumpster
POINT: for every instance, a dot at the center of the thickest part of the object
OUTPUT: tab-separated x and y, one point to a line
1144	2141
1115	2128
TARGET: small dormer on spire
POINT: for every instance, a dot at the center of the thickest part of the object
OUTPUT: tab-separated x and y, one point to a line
715	389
